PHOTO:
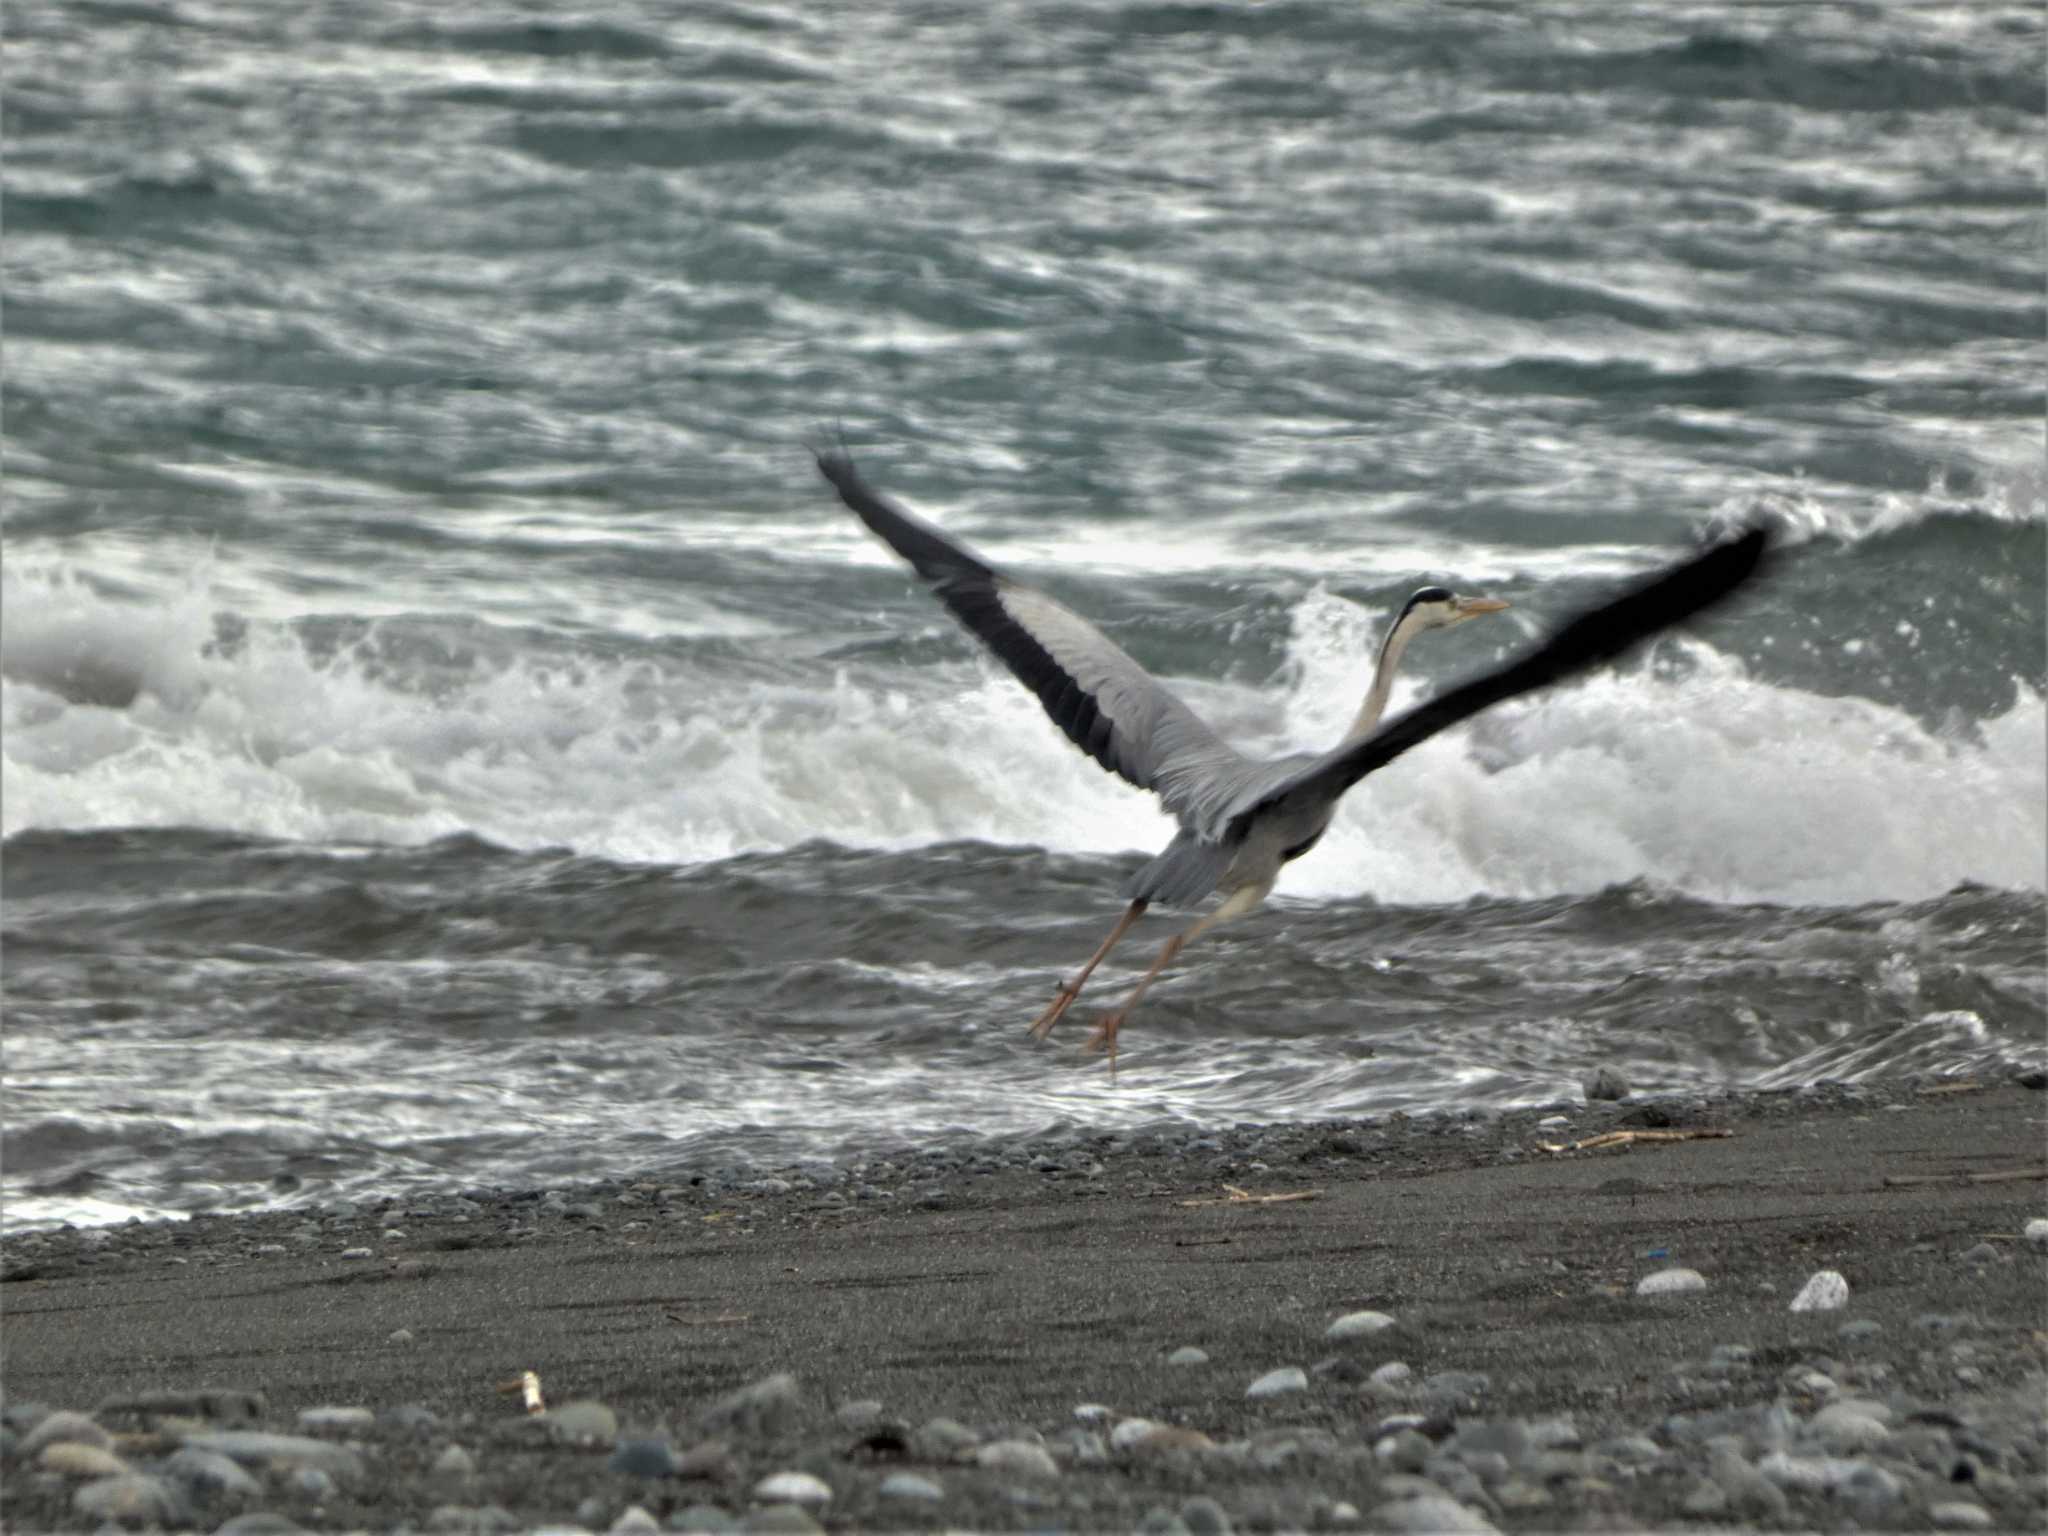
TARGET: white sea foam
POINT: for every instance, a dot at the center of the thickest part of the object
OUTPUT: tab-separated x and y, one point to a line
1693	776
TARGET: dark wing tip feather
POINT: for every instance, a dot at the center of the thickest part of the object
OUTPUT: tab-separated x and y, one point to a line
969	588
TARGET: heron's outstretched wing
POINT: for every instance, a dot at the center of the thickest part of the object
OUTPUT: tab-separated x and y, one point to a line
1112	708
1598	635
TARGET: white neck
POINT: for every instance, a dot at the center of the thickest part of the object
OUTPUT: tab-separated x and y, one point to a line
1382	682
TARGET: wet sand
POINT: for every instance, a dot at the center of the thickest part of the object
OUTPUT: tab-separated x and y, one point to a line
1006	1299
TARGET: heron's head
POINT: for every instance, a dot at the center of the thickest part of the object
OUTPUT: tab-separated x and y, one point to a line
1441	608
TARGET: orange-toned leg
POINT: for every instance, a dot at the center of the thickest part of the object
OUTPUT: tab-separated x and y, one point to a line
1064	998
1239	902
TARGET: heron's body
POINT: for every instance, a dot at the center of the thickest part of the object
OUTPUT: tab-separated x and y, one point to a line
1241	819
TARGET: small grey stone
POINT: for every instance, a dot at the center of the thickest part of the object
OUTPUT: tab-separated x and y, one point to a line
255	1448
710	1460
131	1499
209	1476
584	1422
1958	1515
453	1465
1983	1253
1405	1450
1506	1438
312	1484
63	1425
765	1406
1356	1325
781	1520
1605	1082
2036	1233
1160	1521
1675	1281
793	1488
259	1522
1394	1373
910	1485
644	1458
336	1421
1203	1516
703	1520
1704	1498
1017	1457
1188	1354
1287	1378
1456	1389
863	1413
634	1521
1429	1515
943	1439
1860	1330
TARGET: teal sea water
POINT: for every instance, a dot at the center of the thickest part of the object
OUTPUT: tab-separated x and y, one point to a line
449	733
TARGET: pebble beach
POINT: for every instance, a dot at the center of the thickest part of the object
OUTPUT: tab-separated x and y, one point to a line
1815	1309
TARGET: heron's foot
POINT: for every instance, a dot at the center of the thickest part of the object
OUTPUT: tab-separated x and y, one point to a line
1056	1009
1104	1038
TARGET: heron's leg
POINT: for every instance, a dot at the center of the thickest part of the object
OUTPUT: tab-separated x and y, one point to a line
1239	902
1069	990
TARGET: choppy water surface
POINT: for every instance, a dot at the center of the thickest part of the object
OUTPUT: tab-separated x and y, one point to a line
449	734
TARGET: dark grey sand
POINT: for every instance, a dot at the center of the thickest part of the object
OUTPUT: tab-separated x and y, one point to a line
987	1290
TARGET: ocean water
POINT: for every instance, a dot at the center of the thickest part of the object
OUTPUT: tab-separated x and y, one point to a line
448	732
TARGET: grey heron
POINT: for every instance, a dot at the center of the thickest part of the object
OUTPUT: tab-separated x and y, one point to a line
1241	819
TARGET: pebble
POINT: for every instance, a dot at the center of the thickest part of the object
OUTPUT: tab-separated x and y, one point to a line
583	1422
1859	1330
910	1485
348	1253
2036	1232
782	1520
1851	1425
1354	1325
633	1519
703	1520
1161	1521
863	1413
65	1427
1671	1282
1020	1457
708	1461
130	1499
763	1406
1148	1435
1288	1378
336	1421
793	1488
1605	1082
313	1485
1393	1374
943	1439
1825	1291
1983	1253
260	1522
1429	1514
1958	1515
1203	1516
254	1447
644	1458
208	1476
72	1458
1187	1354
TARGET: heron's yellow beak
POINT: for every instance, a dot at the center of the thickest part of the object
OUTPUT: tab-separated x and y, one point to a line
1472	607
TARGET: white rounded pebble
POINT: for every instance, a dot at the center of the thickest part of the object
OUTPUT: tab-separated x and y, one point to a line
1959	1516
352	1253
1825	1291
73	1458
2036	1232
1017	1456
1092	1413
909	1485
1429	1514
1848	1427
1288	1378
1354	1325
793	1488
1393	1373
399	1336
1671	1282
64	1426
1187	1354
634	1518
584	1423
1131	1433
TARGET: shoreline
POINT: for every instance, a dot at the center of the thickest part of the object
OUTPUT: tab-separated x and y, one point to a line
1001	1293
